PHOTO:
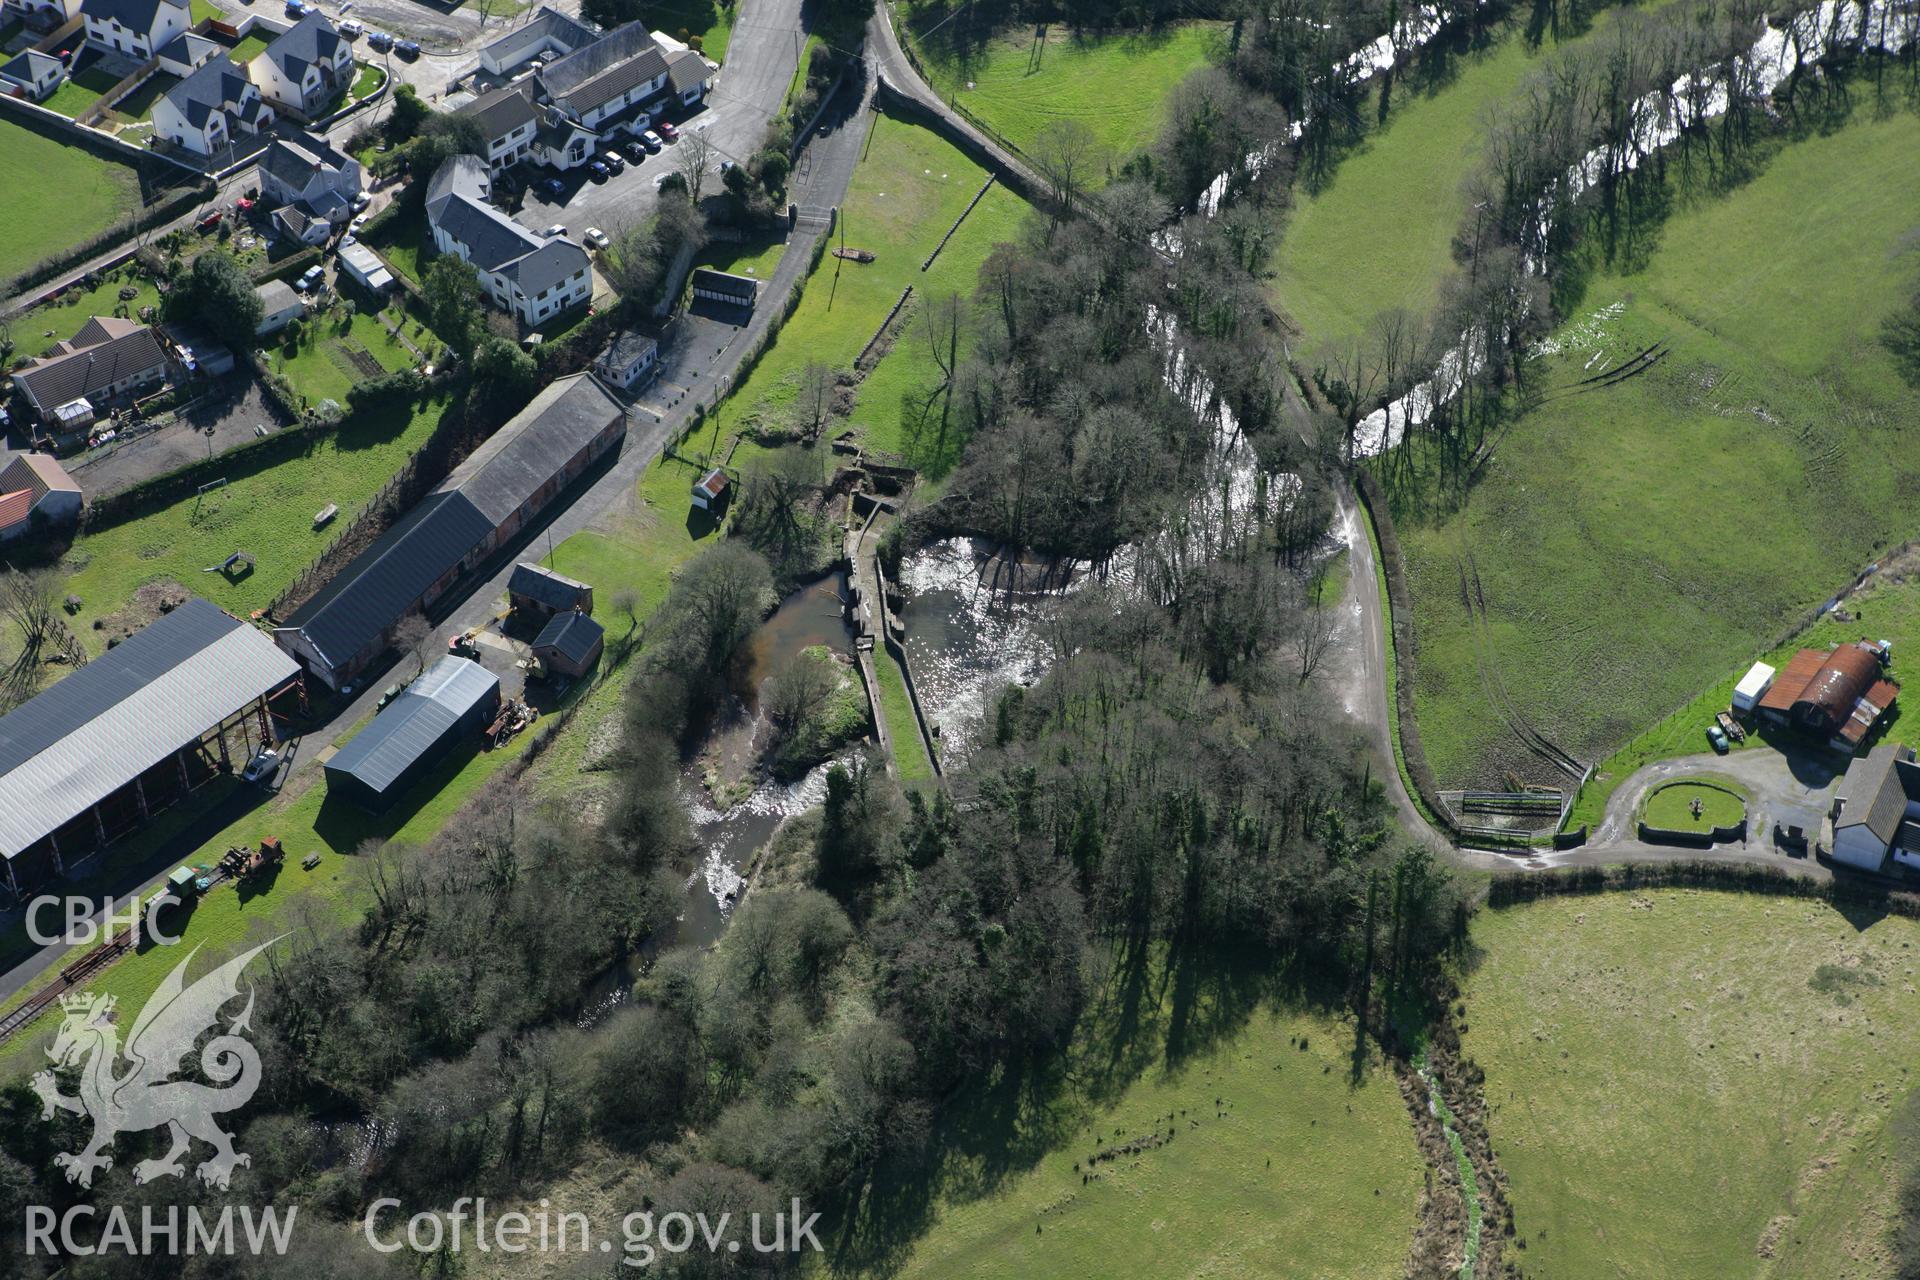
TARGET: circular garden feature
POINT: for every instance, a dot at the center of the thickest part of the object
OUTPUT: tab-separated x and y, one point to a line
1696	805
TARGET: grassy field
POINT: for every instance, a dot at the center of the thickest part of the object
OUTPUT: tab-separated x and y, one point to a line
75	195
323	367
908	190
1117	85
267	512
1635	543
1671	807
1774	1036
1277	1166
1380	234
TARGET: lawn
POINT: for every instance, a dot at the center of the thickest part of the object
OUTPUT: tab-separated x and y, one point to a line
267	511
202	11
757	256
909	753
76	195
711	20
54	322
250	46
402	241
1117	85
1671	807
1277	1164
138	105
1772	1036
366	82
1635	543
329	359
81	90
909	188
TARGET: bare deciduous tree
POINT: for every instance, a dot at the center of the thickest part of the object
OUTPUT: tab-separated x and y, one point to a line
692	158
411	637
1068	156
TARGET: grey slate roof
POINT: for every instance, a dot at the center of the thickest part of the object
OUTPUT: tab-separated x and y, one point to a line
611	65
415	723
548	25
530	450
54	382
685	69
1876	790
499	114
30	66
188	48
126	711
276	296
216	83
555	590
571	635
630	345
389	577
134	15
456	203
551	264
310	41
295	165
745	288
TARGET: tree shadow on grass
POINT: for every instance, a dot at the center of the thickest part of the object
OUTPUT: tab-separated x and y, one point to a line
1154	1008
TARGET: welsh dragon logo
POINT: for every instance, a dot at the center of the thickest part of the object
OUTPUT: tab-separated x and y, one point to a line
145	1095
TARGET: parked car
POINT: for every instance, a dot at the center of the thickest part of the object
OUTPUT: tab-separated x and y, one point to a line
555	230
552	188
599	171
652	140
407	49
635	152
613	161
596	237
1718	739
362	200
359	221
349	240
298	8
311	278
379	40
351	28
667	131
208	223
262	767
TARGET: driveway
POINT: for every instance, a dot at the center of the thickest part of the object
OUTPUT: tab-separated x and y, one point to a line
746	97
209	428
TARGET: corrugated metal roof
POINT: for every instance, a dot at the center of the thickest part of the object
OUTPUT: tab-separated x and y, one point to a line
118	716
415	723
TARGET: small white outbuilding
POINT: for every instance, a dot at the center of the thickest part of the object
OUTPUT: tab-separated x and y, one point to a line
1747	694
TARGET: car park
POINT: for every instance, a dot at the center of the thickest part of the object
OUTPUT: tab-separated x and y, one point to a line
667	131
596	237
652	140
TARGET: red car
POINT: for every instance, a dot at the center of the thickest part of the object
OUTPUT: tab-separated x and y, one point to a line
208	223
666	130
